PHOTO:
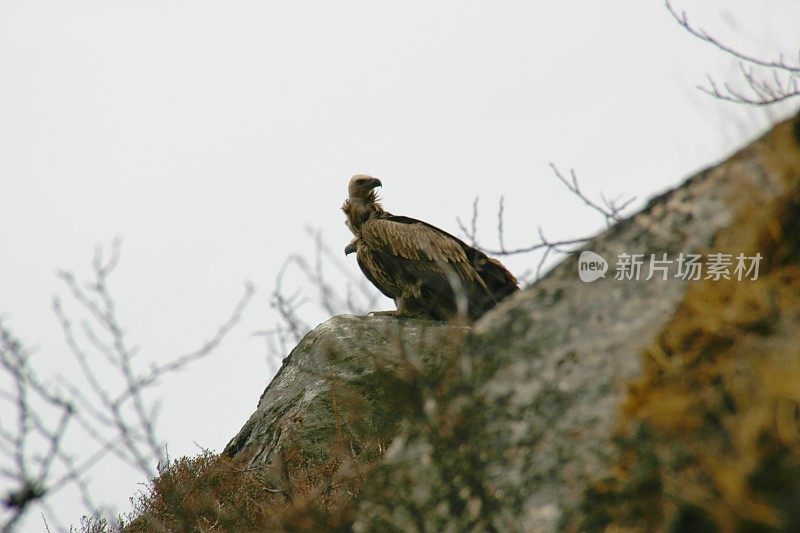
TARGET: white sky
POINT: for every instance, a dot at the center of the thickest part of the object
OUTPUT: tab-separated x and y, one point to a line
208	134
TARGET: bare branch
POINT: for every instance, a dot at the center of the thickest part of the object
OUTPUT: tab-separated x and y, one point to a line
472	232
610	209
500	213
356	297
784	82
22	465
118	421
287	306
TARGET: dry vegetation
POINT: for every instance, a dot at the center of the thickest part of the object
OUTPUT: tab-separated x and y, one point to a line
216	493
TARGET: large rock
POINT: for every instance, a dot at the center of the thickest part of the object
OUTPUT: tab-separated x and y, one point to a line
640	404
570	349
341	388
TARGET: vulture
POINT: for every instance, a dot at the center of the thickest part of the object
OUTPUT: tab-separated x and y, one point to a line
425	270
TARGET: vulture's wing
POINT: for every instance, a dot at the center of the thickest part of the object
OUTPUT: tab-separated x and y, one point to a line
415	243
494	275
400	254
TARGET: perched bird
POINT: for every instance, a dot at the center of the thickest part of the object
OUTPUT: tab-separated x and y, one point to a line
425	270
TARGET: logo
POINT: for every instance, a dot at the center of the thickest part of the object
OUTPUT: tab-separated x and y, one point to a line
591	266
687	266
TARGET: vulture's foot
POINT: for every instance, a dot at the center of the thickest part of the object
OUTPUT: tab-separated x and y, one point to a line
384	313
396	313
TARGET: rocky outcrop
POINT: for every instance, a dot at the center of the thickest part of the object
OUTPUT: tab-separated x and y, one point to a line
571	349
341	388
639	404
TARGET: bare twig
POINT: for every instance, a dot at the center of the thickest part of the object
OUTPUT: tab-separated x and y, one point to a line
683	20
472	232
23	466
782	78
503	250
610	209
357	297
114	414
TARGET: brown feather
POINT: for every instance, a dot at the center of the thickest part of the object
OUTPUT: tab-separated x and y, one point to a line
417	242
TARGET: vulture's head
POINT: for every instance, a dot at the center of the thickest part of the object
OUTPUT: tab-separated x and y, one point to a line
360	186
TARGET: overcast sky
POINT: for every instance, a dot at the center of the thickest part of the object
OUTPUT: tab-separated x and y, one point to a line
207	135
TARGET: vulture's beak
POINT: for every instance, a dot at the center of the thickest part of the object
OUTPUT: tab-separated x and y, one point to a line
375	182
350	248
